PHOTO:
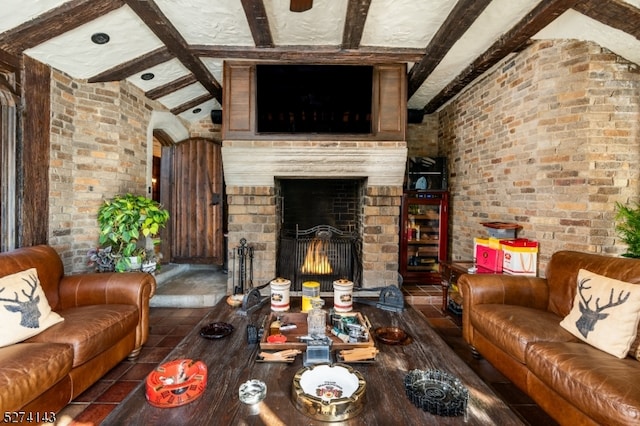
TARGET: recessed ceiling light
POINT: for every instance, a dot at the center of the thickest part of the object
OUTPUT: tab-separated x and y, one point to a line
147	76
197	111
100	38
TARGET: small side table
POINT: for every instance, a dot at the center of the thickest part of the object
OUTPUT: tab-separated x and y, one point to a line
451	272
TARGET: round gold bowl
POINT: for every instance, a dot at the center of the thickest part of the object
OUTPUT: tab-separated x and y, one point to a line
329	392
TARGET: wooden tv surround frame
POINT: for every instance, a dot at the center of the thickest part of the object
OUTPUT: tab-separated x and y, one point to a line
388	115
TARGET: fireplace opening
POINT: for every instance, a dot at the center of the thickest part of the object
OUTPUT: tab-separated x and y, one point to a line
320	231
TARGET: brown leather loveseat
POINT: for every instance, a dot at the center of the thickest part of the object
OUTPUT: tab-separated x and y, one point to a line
514	323
105	321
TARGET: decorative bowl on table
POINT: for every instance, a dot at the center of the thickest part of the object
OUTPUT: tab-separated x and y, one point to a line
392	335
235	300
329	392
216	330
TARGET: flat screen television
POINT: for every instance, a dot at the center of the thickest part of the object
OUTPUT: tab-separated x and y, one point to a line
314	98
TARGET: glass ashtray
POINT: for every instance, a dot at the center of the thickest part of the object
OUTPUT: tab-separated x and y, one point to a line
252	391
437	392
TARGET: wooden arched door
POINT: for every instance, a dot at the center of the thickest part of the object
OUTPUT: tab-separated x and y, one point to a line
192	188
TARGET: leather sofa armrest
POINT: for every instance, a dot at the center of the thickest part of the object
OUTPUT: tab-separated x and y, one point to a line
130	288
480	289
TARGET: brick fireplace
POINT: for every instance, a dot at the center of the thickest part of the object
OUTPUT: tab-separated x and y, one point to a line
253	170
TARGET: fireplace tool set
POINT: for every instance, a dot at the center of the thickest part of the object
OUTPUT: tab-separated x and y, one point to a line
251	297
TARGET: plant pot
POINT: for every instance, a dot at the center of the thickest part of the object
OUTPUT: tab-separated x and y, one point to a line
149	267
134	263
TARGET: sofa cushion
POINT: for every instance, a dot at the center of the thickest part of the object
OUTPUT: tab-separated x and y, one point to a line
91	329
513	327
605	313
29	369
24	310
605	388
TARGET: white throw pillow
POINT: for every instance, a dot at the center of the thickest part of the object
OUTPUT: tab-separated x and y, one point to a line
605	313
24	308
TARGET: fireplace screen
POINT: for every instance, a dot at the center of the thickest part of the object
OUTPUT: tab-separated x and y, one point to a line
322	253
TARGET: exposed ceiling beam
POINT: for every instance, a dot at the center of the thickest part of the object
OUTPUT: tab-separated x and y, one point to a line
614	13
191	104
10	60
312	54
457	23
168	88
55	22
541	16
258	22
134	66
357	11
153	17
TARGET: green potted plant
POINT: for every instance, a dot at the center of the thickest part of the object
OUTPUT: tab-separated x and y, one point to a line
102	259
628	228
124	222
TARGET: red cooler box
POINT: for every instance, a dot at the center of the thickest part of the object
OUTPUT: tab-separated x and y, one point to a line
520	257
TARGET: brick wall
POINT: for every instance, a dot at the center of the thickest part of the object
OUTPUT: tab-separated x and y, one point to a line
98	149
252	215
549	139
422	139
381	235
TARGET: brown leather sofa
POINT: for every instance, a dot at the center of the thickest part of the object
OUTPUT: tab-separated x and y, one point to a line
514	323
106	319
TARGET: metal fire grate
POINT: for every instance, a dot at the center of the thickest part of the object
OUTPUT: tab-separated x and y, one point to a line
322	253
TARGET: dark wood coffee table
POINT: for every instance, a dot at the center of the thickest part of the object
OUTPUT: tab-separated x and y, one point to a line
231	361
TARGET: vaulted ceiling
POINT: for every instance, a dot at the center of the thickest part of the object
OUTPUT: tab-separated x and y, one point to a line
173	50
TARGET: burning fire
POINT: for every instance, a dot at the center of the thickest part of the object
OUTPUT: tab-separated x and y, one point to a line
316	260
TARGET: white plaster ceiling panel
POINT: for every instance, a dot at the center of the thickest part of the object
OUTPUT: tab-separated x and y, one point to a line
183	95
200	112
498	18
212	22
574	25
15	12
215	66
323	24
74	53
635	3
404	23
164	73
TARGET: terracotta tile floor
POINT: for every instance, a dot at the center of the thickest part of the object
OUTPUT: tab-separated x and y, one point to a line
170	325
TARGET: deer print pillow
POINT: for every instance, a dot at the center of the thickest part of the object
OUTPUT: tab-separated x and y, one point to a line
24	309
605	313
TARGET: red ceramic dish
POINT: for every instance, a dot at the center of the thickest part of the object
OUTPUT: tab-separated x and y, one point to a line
277	338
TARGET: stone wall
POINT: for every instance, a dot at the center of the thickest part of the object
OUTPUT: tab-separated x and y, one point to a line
548	138
98	149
